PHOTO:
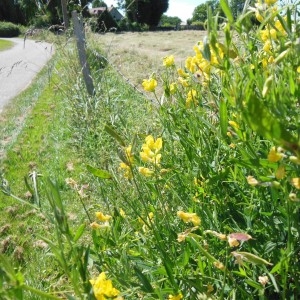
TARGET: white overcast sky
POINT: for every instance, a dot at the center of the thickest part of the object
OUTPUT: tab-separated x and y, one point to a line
177	8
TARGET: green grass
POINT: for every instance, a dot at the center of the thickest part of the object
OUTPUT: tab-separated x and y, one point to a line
4	44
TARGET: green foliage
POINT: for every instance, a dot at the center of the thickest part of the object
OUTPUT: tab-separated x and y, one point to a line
8	29
193	196
169	21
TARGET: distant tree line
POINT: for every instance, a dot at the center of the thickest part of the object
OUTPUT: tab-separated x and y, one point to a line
138	13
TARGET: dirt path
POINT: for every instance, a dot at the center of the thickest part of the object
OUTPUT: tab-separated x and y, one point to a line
19	65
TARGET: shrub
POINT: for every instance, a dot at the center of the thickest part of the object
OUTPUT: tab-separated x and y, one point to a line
8	29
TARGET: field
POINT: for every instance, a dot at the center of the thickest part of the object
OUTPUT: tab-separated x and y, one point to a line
192	195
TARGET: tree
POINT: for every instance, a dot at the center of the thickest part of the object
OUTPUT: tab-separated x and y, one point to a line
98	3
144	11
169	21
200	12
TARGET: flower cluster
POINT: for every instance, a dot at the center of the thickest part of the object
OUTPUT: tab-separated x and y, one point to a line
150	154
149	84
104	219
103	288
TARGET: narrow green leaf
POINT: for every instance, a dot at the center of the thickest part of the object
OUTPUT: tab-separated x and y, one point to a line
115	135
146	285
227	11
98	173
79	232
253	258
262	121
223	118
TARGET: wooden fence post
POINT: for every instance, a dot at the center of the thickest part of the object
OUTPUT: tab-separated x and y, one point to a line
80	38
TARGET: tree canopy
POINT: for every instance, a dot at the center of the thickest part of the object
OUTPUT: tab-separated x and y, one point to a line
144	11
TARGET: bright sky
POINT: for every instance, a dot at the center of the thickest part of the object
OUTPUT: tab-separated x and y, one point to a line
177	8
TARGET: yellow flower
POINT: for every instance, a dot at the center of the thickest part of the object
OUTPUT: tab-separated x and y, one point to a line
191	98
126	169
252	181
274	155
270	2
103	288
169	61
101	217
183	82
149	84
146	171
296	183
150	150
189	217
232	241
181	73
177	297
267	46
129	155
298	69
233	124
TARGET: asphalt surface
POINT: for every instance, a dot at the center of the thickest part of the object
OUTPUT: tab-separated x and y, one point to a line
19	65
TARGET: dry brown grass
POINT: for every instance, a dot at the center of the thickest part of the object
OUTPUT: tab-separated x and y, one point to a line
139	54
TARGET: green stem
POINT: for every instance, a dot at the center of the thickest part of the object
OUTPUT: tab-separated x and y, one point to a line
40	293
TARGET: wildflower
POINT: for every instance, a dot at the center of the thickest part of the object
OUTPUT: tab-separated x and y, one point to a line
72	183
232	241
270	2
219	265
298	69
189	217
127	170
146	171
150	150
95	225
149	84
103	288
220	236
122	213
101	217
181	237
182	74
233	124
267	46
177	297
191	98
263	280
274	155
296	182
183	82
252	181
169	61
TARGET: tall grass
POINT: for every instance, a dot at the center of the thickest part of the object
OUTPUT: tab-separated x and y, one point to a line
195	197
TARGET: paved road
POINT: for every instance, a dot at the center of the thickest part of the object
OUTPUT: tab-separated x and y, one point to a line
19	65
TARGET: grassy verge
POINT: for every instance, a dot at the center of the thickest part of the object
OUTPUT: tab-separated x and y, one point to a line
4	45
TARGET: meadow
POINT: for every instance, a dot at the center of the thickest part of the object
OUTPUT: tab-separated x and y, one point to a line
179	179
